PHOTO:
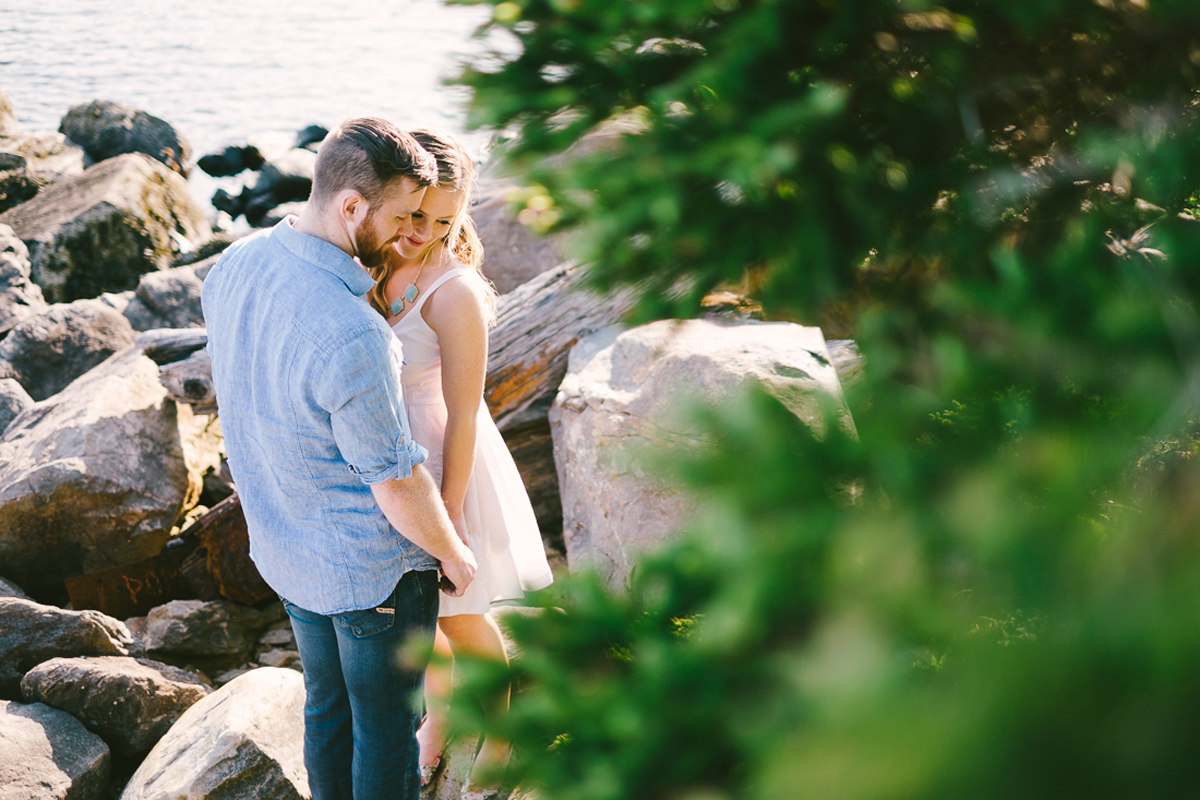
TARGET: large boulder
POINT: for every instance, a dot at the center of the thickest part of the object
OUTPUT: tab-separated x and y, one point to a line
46	754
46	352
97	475
128	702
100	231
621	400
212	635
244	741
31	633
105	129
20	298
30	161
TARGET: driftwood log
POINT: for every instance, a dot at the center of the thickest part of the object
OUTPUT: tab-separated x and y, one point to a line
537	324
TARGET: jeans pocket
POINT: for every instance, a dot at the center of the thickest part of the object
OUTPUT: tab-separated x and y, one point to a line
370	621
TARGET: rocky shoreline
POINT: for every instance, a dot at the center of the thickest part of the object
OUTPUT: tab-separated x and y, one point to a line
104	462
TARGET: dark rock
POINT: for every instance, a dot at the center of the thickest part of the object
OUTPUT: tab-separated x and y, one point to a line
285	179
231	161
105	129
213	247
129	702
13	400
257	208
31	633
244	741
100	231
212	635
232	205
46	352
20	298
313	134
46	754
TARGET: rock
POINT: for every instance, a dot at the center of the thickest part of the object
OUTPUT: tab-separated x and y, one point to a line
213	635
174	296
105	129
20	298
96	475
128	702
31	633
30	161
46	352
312	135
620	400
513	254
232	160
46	754
100	231
281	212
233	205
8	118
278	657
285	179
13	400
242	742
9	589
206	252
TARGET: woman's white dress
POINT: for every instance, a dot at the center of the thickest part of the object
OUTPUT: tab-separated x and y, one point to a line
501	528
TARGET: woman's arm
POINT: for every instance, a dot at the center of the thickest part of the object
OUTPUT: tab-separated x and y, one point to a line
456	314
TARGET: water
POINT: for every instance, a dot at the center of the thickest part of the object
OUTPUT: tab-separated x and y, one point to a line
225	70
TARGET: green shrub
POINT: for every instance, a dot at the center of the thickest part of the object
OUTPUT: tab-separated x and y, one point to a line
993	199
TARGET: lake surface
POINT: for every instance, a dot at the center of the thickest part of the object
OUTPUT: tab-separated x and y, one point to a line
225	70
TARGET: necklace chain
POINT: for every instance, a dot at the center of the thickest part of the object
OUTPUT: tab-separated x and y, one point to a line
409	295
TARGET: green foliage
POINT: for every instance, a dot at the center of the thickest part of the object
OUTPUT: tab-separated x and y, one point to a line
993	198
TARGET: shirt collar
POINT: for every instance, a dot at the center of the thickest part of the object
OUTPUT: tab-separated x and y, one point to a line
323	254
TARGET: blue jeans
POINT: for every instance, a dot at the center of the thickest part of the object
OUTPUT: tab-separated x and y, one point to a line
361	710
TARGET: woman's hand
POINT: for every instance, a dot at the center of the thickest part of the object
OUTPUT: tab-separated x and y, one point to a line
460	527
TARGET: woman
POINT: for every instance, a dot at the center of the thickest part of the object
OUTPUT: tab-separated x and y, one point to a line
439	304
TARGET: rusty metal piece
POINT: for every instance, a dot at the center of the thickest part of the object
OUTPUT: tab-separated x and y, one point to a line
224	536
131	590
210	558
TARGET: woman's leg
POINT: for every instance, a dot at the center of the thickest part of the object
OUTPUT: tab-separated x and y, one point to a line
439	685
479	636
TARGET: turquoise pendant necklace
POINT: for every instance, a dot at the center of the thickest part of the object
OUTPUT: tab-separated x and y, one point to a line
409	295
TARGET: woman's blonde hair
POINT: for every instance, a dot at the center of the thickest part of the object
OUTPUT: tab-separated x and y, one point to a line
456	171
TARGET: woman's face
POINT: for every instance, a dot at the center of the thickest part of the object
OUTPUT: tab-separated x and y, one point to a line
431	222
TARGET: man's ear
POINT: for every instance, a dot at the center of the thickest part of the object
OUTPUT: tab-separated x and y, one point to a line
351	205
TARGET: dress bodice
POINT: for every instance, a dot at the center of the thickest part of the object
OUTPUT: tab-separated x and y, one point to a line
421	376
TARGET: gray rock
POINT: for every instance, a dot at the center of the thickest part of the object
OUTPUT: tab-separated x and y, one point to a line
31	633
100	231
30	161
242	742
620	402
13	400
106	129
8	118
20	298
10	589
96	475
213	635
512	253
173	295
46	352
46	754
128	702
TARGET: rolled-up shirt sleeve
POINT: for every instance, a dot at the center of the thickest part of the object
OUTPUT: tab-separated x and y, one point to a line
360	387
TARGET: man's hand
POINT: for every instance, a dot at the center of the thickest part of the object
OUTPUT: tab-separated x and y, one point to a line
458	572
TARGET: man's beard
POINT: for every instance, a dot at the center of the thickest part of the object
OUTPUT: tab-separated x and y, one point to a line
372	250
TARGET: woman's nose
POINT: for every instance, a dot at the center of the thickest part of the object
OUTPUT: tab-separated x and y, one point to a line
421	227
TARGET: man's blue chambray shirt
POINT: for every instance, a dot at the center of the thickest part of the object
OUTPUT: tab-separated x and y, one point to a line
307	378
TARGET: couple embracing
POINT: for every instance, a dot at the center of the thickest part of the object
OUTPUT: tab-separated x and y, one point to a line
349	347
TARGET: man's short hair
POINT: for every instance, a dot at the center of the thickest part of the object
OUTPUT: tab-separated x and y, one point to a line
366	154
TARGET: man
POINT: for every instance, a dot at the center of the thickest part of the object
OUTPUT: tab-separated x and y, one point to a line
345	524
